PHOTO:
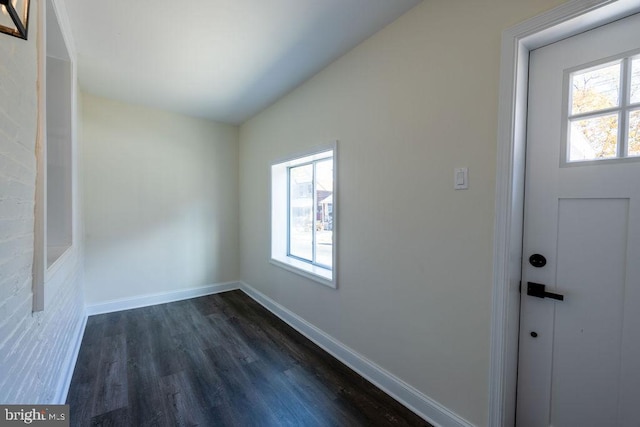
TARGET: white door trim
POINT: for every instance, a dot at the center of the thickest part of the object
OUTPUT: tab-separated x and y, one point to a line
569	19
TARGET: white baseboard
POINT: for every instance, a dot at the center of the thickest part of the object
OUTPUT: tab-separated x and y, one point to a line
407	395
160	298
65	381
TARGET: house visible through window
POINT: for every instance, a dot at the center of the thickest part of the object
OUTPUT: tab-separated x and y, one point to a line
303	215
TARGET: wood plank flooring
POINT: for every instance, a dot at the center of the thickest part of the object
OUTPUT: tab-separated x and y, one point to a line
220	360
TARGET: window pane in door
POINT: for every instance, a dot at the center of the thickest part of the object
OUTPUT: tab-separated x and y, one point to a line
593	138
301	211
324	212
595	89
634	133
635	81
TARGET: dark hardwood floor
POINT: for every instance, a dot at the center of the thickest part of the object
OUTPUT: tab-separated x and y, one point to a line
220	360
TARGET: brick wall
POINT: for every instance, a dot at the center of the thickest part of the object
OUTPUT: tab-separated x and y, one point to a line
37	350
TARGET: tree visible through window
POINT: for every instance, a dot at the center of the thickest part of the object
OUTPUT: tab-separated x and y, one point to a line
604	111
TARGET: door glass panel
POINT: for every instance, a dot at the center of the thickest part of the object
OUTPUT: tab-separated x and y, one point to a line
635	81
593	138
301	211
595	89
634	133
324	212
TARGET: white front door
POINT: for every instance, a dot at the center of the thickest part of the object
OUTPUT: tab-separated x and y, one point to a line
579	359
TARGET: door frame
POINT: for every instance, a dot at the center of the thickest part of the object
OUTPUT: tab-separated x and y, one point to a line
564	21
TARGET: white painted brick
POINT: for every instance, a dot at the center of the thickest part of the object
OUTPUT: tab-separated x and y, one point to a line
34	347
35	380
12	309
10	85
8	167
15	227
11	347
18	317
27	138
6	50
14	247
23	152
17	190
17	377
15	273
14	297
11	169
3	89
8	125
15	208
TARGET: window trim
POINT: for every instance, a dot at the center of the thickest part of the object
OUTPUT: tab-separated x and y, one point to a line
279	198
313	163
622	110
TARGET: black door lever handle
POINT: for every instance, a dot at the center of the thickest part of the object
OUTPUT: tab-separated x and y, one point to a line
538	290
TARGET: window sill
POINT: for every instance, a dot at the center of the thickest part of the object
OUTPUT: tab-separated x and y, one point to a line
315	273
54	253
55	260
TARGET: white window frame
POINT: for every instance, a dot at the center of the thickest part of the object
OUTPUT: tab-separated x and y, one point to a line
280	217
623	110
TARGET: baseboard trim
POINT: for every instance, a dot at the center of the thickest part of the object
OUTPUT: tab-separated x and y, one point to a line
72	358
404	393
159	298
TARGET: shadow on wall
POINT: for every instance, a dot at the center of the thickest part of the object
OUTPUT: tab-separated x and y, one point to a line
160	200
311	52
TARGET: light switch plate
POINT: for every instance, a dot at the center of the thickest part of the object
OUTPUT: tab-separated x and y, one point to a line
461	178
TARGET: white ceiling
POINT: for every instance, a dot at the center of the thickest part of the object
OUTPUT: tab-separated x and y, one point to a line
220	59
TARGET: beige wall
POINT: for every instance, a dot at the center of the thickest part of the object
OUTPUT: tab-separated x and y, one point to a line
407	106
160	201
